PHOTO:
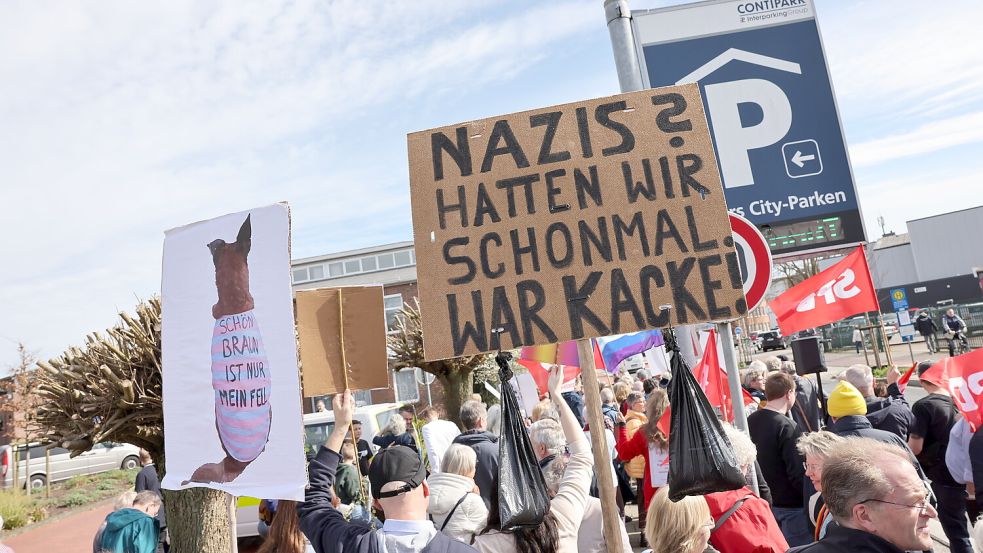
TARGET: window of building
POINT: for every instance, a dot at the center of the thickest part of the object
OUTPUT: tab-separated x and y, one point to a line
404	384
392	305
403	258
366	264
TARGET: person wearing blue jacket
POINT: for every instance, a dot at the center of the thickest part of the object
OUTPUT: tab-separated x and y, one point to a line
133	530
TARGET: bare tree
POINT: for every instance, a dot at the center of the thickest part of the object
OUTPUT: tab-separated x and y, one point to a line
22	398
110	390
456	375
794	272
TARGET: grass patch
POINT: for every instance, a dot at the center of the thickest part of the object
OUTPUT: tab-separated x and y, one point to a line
76	499
15	508
19	509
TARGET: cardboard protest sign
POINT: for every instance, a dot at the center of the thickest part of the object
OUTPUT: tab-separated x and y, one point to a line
342	339
232	413
569	222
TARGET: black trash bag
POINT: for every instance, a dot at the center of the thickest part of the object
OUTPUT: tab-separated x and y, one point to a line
701	459
522	497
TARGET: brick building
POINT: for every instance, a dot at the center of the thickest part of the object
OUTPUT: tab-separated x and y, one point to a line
393	266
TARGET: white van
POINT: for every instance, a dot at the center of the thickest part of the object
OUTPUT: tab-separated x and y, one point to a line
30	461
317	428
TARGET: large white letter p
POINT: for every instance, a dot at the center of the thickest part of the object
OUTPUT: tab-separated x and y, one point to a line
734	140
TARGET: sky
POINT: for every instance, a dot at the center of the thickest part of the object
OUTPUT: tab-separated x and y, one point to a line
119	120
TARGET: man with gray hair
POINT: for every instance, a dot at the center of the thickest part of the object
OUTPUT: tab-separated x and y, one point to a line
548	441
876	498
773	363
609	406
891	413
474	418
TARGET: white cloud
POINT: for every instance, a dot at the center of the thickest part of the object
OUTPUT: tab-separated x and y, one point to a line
903	59
928	138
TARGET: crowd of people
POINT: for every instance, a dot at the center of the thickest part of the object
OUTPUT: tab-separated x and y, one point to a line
869	474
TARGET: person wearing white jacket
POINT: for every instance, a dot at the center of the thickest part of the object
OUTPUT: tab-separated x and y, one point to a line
455	506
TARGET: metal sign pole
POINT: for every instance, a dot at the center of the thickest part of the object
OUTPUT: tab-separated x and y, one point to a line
623	45
736	392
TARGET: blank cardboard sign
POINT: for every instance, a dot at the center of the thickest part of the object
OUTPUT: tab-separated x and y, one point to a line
328	318
570	222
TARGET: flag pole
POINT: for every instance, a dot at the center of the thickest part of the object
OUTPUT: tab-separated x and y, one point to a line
873	339
599	445
736	392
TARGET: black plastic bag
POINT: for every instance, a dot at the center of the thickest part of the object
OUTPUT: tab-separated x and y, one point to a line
522	497
701	459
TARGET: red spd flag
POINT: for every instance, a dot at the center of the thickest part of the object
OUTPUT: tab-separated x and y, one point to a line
842	290
963	377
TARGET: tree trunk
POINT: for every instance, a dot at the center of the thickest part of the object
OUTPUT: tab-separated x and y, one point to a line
198	520
458	387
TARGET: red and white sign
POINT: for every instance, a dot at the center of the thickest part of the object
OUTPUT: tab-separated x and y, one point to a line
757	259
842	290
963	377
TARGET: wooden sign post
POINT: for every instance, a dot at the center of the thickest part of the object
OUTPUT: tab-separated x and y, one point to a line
599	446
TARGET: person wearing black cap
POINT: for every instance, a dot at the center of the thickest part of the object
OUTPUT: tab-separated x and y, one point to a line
397	480
935	414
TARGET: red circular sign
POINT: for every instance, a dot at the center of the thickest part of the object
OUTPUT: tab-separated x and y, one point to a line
757	259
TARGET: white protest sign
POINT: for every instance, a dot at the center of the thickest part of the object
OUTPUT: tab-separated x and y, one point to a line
232	413
526	390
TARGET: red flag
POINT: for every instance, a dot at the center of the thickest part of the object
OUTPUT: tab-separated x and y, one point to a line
748	398
842	290
712	377
963	377
598	358
663	423
903	381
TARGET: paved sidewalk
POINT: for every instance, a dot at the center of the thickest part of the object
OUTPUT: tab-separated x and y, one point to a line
69	534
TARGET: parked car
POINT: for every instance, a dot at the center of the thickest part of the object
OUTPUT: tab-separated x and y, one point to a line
317	428
771	340
102	457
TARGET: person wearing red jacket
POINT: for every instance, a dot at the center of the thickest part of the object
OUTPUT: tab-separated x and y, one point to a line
651	442
743	522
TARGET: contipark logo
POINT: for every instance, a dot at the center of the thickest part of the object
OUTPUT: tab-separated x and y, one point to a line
770	9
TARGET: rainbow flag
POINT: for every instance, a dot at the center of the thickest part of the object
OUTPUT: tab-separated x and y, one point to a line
615	349
538	359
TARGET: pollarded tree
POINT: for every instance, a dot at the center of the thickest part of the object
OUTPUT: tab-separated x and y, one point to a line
110	390
456	375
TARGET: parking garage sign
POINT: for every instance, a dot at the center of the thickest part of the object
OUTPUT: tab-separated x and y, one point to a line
767	93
